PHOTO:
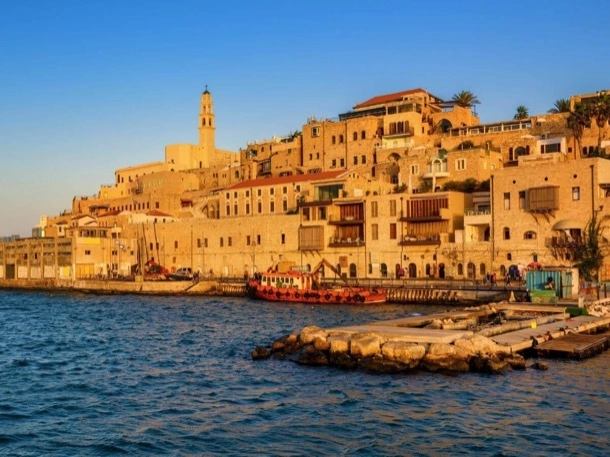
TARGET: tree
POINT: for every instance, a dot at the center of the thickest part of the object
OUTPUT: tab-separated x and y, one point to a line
522	113
588	254
465	99
561	105
578	120
599	109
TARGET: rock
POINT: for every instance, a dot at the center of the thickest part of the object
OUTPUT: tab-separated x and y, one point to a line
542	366
343	360
365	345
308	355
321	344
339	344
443	356
310	333
261	353
408	354
491	365
380	364
477	345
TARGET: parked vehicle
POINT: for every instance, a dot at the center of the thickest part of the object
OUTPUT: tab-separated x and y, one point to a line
182	274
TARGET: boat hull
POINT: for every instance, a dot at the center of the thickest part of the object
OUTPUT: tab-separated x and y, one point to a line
341	296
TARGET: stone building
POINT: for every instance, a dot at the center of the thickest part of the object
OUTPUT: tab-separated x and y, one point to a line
373	191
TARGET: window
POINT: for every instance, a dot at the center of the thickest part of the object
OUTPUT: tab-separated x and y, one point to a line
272	191
363	135
283	238
393	231
374	209
306	216
322	213
529	235
285	205
230	241
363	159
248	241
284	190
157	205
355	160
341	139
205	242
506	233
228	212
234	194
228	195
355	136
259	207
247	208
222	242
259	192
342	163
374	231
247	193
235	210
272	206
392	207
506	200
575	193
198	242
460	164
258	239
333	163
414	169
87	252
176	244
315	131
522	199
333	140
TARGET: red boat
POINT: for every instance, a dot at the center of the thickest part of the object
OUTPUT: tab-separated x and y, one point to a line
298	287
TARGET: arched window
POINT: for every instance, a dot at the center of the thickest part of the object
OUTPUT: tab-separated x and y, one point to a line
529	235
482	269
509	256
355	136
340	139
506	233
333	139
228	210
460	269
412	270
363	135
384	270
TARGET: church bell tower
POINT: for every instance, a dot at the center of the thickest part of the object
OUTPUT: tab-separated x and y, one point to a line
207	128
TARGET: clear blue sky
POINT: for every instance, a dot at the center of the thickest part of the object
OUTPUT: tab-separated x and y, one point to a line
90	86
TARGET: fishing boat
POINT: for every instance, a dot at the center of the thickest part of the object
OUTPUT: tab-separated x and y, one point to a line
305	287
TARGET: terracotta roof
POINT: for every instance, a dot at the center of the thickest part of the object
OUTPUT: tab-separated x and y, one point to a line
157	213
110	213
307	177
381	99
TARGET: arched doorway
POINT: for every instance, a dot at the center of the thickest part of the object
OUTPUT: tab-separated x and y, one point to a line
441	270
353	271
471	271
384	270
412	270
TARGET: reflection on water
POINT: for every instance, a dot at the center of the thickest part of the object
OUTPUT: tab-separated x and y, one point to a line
101	375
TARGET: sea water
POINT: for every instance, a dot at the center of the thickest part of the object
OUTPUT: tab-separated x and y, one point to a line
87	375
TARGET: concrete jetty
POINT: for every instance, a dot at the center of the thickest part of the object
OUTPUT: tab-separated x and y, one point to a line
491	338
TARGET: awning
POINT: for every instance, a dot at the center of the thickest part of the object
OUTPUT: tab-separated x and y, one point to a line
567	224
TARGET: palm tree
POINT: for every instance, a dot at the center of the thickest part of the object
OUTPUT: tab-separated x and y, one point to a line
522	113
578	120
561	105
599	109
465	99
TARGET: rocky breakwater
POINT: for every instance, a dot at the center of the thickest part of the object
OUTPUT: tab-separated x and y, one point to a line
372	352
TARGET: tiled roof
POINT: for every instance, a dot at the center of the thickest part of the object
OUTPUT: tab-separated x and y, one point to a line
308	177
110	213
381	99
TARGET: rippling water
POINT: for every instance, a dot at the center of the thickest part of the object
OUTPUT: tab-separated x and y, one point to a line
106	375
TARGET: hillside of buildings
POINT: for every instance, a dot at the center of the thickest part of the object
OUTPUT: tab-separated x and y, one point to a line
403	184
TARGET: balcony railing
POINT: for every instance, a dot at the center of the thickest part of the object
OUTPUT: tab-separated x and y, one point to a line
336	242
563	242
415	240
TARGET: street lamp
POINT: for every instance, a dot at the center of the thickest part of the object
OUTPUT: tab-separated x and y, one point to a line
402	233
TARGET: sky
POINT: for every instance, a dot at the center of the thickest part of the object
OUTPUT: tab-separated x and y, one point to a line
87	87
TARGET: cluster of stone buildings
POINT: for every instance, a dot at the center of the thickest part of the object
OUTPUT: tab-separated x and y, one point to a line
377	191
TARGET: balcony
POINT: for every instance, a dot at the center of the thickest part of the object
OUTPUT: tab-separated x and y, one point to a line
420	240
346	220
438	170
474	217
563	242
336	242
